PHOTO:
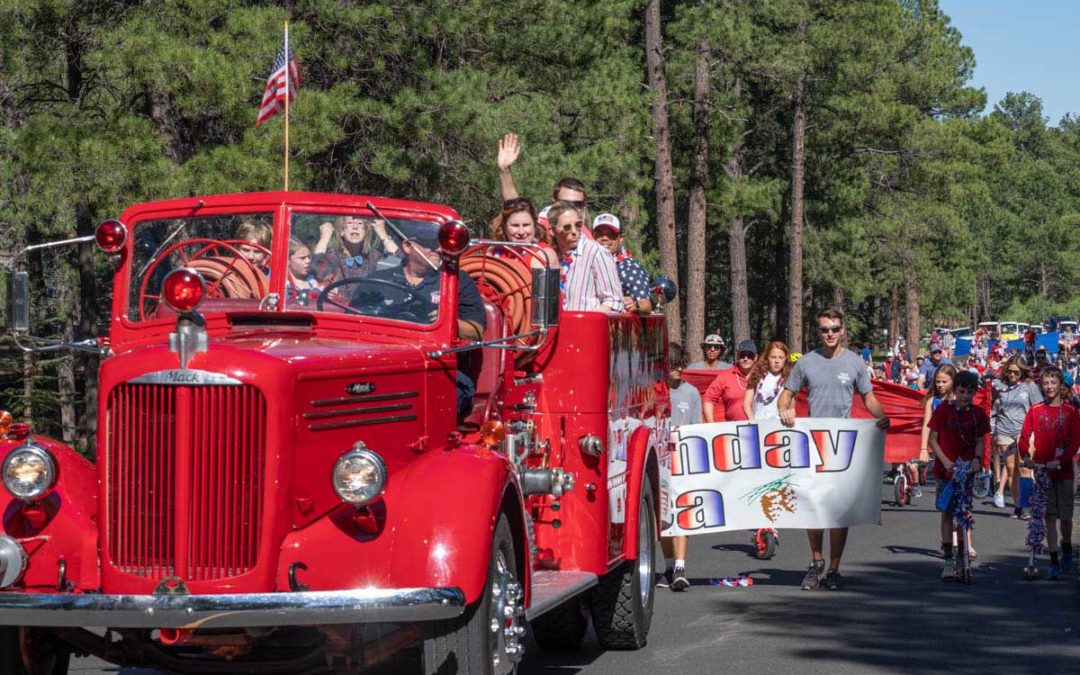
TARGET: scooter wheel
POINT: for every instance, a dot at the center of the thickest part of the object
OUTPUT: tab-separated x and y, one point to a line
765	545
1031	573
900	489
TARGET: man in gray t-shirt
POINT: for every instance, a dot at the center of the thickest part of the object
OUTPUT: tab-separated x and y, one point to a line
831	375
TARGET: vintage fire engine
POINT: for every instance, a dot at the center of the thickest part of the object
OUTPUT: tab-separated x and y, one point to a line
281	483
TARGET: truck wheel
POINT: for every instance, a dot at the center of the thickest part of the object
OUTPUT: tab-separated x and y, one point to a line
622	603
487	638
562	628
32	651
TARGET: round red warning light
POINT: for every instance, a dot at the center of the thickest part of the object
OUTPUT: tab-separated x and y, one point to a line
454	237
110	236
183	289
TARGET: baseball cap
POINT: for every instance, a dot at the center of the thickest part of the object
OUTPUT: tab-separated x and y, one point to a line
746	346
542	216
935	347
608	220
714	339
425	234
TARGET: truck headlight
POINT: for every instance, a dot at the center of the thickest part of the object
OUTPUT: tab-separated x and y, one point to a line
29	471
359	475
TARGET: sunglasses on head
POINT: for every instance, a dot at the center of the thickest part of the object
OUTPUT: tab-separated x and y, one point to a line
825	330
578	204
516	201
566	227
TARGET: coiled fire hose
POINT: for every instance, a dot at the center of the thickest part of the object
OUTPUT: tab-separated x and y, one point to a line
504	277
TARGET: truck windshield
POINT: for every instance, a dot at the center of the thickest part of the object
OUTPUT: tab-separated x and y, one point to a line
344	264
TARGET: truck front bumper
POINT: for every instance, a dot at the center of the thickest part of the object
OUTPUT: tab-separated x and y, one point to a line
399	605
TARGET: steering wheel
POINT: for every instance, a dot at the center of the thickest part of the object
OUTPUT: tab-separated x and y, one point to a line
414	307
228	274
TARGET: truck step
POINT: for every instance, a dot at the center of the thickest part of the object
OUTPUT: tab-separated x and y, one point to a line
551	588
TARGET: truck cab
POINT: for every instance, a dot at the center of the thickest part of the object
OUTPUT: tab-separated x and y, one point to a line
304	463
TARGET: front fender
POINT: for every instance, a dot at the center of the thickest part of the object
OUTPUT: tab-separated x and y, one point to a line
438	516
642	460
59	527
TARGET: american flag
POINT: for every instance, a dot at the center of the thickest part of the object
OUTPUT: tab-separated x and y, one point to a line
277	87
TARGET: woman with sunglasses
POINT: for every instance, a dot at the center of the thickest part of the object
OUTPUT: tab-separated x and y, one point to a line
712	348
517	223
1012	396
588	278
362	243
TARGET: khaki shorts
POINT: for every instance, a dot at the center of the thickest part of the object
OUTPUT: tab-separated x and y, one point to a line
1059	501
1005	445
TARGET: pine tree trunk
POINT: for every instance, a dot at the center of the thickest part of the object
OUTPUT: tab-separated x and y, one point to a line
698	214
894	315
911	302
664	175
798	179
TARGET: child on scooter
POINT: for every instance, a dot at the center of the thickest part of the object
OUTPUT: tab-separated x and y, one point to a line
1056	425
957	431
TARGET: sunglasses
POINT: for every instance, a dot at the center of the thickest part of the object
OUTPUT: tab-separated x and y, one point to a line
571	226
747	355
517	201
1013	371
825	330
708	347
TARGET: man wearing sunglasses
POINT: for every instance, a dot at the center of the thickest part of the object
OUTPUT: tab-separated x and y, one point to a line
930	366
712	347
831	375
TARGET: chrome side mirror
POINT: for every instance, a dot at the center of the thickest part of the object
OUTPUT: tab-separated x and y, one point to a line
663	290
545	298
19	295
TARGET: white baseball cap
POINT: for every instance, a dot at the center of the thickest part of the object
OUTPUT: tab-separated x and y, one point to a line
607	220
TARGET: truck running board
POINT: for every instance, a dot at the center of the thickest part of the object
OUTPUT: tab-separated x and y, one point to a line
552	588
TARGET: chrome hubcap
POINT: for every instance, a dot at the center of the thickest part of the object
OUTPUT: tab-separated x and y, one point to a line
645	555
507	627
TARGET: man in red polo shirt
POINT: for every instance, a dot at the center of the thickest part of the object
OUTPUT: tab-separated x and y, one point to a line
723	399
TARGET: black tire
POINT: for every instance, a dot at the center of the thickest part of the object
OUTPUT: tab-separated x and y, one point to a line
622	603
563	628
466	645
44	654
769	544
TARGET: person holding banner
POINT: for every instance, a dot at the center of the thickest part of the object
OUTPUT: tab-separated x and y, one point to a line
831	375
685	409
765	382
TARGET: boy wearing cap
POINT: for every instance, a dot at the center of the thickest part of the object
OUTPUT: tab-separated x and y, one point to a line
632	275
723	400
713	347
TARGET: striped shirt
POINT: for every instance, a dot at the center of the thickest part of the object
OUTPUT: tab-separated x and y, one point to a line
590	280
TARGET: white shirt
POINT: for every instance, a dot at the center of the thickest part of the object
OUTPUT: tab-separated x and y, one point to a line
766	403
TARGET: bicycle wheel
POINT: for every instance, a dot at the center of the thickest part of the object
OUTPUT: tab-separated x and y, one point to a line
900	489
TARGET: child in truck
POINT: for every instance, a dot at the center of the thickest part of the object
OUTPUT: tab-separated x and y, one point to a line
957	432
256	250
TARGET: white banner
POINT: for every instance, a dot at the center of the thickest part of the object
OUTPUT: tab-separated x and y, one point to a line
821	473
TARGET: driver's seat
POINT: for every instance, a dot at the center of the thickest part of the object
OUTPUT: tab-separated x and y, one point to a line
488	377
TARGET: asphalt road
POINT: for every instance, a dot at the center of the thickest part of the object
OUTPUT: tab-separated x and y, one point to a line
893	615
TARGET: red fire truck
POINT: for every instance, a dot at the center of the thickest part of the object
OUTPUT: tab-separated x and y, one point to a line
281	483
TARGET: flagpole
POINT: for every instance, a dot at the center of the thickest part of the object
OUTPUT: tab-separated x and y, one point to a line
287	66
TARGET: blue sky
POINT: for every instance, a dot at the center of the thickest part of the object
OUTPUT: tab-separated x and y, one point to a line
1023	46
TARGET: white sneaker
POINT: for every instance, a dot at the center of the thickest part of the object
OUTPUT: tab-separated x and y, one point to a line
999	500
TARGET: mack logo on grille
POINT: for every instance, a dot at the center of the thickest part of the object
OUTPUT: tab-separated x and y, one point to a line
360	388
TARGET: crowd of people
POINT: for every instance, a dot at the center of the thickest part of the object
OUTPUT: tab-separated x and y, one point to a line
1032	420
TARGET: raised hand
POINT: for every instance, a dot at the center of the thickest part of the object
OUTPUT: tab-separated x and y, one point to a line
509	150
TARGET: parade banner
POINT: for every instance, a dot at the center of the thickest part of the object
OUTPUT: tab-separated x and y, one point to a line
821	473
